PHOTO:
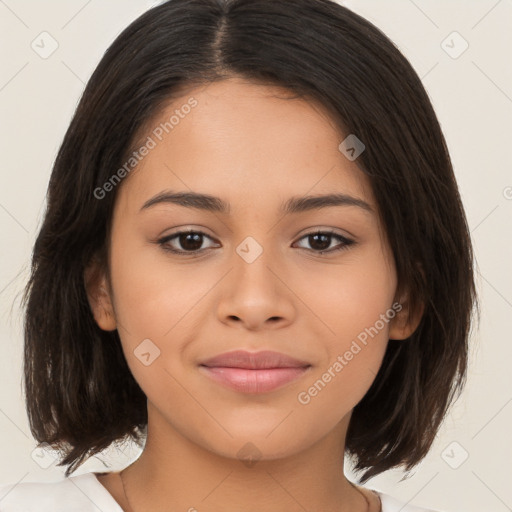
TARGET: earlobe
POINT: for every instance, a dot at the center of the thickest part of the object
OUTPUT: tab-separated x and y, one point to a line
406	321
99	297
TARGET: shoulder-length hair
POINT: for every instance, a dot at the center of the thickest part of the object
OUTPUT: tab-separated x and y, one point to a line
80	394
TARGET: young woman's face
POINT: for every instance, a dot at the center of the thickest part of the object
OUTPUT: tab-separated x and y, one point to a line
257	278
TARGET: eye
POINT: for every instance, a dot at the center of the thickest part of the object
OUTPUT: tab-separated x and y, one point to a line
321	241
191	242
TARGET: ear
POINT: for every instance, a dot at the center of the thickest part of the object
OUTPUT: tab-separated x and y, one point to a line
99	296
405	321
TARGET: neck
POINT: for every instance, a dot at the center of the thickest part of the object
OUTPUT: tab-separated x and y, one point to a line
175	473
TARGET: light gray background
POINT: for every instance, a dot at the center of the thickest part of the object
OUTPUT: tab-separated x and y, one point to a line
472	95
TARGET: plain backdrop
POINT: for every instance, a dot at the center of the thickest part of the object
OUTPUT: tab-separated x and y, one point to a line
462	52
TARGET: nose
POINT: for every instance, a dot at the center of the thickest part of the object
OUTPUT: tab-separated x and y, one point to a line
255	294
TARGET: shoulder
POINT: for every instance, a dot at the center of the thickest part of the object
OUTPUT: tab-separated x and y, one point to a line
81	493
390	504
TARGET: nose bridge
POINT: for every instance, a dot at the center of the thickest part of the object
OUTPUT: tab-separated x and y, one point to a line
253	259
254	236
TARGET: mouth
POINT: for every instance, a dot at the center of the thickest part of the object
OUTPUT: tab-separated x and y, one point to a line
256	372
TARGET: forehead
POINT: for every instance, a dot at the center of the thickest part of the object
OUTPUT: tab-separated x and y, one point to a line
246	142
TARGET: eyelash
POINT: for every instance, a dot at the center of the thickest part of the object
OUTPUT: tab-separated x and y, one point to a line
163	242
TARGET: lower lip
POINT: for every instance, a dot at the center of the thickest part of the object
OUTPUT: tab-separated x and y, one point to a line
254	381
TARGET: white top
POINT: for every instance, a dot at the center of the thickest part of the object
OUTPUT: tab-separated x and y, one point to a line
85	493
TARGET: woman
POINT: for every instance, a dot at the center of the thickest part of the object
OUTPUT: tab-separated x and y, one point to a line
255	259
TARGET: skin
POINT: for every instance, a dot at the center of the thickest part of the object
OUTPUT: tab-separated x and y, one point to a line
253	147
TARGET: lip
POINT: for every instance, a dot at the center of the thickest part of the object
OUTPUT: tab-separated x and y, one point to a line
254	372
254	360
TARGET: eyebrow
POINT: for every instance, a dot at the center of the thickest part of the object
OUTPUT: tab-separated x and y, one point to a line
214	204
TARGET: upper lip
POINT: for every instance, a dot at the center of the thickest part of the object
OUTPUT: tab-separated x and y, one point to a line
254	360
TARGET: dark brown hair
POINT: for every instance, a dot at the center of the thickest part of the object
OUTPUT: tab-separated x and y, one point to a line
80	393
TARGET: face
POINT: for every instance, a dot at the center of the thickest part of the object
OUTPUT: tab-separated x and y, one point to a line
314	281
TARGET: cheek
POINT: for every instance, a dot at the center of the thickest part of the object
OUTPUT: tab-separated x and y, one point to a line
154	305
351	296
151	293
354	303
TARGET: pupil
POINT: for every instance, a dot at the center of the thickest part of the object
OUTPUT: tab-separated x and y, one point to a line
188	244
324	245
